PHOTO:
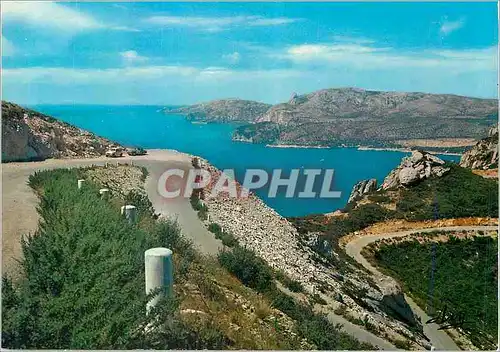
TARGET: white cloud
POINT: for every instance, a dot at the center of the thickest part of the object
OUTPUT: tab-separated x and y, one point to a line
132	57
370	57
448	27
53	15
8	48
111	76
48	14
232	58
218	23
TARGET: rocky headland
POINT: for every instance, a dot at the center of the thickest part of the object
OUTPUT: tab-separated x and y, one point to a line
224	110
30	135
355	117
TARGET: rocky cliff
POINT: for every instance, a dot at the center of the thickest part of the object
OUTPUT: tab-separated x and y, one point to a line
484	155
354	116
225	110
30	135
361	188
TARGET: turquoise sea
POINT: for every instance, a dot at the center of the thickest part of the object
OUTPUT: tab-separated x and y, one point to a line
146	126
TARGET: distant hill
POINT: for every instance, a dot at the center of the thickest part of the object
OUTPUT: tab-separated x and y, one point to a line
226	110
30	135
350	116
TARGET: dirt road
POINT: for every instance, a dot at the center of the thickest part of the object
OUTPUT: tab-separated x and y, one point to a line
19	215
439	339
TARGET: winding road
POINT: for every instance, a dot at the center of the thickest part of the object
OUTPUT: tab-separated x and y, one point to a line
439	338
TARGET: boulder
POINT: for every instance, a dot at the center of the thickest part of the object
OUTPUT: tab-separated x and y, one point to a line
418	166
408	175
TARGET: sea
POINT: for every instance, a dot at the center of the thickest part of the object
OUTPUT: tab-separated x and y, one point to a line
148	127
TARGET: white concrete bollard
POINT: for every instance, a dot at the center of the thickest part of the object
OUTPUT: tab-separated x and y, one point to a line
433	348
129	212
104	192
159	273
80	183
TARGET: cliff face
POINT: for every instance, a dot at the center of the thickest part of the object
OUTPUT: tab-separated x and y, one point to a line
226	110
29	135
484	155
350	116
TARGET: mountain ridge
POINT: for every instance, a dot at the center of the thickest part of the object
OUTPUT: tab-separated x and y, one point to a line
352	116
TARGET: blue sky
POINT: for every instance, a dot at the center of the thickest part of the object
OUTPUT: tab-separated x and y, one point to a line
183	53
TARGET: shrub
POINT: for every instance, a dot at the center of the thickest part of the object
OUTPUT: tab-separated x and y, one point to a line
251	270
82	283
226	238
292	285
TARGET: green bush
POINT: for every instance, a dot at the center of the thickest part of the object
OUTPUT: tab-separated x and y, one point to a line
316	328
379	198
226	238
292	285
251	270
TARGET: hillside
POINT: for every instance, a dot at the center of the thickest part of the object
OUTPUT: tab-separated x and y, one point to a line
353	116
410	192
465	280
30	135
225	110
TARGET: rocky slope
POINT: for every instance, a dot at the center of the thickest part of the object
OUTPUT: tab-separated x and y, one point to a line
225	110
273	238
354	116
30	135
484	155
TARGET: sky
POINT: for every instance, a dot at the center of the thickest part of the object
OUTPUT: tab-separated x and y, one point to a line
184	53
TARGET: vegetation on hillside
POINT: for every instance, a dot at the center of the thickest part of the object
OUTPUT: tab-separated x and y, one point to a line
465	280
316	328
459	193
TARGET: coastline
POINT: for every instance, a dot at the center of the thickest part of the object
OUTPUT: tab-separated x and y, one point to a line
297	146
388	149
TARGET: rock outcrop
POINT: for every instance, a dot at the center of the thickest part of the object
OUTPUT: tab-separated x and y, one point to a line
419	166
361	188
225	110
30	135
392	299
484	155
